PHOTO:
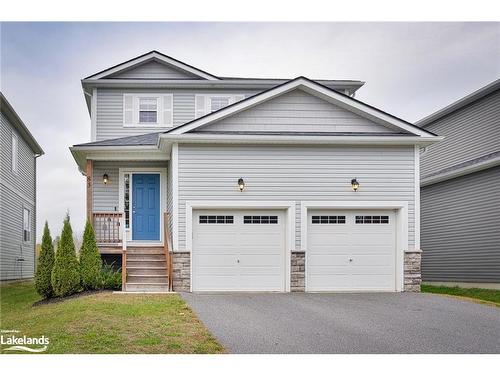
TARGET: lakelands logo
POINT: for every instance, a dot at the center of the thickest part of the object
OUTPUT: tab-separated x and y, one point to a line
23	343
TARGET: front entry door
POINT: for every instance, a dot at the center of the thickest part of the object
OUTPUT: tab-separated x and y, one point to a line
145	207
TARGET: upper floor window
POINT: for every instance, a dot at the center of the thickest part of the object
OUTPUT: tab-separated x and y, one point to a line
26	225
204	104
15	153
148	110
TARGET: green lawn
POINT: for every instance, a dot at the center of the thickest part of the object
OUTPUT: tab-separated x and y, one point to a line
490	295
106	322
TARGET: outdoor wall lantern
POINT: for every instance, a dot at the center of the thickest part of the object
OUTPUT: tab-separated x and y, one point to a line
105	178
355	184
241	183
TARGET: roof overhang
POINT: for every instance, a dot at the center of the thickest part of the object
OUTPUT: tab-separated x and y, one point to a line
152	56
482	92
465	170
313	88
19	125
297	139
118	153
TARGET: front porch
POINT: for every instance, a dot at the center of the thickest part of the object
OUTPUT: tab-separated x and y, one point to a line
127	205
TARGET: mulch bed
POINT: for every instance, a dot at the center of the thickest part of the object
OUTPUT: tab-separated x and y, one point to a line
48	301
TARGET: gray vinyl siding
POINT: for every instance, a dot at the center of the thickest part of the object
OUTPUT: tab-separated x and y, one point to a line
300	112
470	132
109	122
154	70
106	197
16	191
295	173
461	229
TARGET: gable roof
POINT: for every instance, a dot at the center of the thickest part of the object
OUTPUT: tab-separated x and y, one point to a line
478	94
19	125
312	88
152	56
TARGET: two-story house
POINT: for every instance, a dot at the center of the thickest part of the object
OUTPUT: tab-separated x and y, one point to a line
209	183
460	179
18	154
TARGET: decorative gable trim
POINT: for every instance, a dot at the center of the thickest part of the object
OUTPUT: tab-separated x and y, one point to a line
313	88
152	56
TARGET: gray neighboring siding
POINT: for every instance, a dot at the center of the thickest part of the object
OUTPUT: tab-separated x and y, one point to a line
470	132
16	191
461	229
106	197
156	70
297	111
295	173
110	110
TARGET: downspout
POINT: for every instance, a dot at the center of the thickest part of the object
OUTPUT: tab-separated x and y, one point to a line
35	217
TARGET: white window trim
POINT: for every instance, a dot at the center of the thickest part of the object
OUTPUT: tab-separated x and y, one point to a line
29	225
159	111
401	208
15	155
232	98
288	206
163	200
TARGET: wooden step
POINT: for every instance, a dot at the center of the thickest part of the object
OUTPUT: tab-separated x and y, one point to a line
145	250
149	271
145	257
146	287
144	278
147	264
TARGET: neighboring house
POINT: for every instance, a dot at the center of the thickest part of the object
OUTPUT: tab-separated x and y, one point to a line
249	183
460	194
18	151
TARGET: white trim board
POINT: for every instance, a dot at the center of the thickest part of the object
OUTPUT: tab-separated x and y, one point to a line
401	208
152	56
163	199
312	88
289	206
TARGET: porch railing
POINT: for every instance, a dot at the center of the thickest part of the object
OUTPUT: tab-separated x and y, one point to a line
107	227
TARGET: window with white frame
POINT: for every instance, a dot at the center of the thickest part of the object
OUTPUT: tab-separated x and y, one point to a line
26	225
15	153
205	104
148	110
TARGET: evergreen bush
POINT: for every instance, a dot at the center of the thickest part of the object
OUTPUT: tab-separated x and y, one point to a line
43	284
66	273
90	259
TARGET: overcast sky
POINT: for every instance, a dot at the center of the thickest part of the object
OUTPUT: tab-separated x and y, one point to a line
410	69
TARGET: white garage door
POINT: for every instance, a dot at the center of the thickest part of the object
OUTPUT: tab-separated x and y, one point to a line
238	250
351	250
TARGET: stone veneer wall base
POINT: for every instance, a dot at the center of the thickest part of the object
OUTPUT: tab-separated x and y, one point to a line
181	262
298	271
412	270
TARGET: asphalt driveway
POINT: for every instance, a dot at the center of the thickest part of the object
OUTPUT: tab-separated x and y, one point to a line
348	323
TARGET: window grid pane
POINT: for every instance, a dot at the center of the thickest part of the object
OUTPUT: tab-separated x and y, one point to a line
260	219
213	219
372	219
217	103
328	219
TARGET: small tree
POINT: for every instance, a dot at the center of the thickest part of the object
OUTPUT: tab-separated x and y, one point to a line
66	273
90	259
43	283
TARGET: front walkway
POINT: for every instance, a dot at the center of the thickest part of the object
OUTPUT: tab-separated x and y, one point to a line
348	323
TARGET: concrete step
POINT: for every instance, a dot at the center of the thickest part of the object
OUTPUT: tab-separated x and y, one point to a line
146	287
144	278
147	264
145	257
149	271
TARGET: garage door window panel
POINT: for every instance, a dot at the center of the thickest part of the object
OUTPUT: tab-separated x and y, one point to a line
260	220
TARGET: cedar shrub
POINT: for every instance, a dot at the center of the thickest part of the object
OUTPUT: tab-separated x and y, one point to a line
43	284
90	259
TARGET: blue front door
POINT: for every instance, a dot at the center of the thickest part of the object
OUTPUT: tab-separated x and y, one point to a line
145	206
